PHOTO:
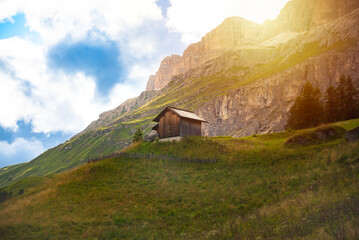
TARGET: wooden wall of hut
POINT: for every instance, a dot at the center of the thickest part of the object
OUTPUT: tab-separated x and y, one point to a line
189	127
169	125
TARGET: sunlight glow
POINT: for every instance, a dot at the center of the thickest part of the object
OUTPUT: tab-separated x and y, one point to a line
259	10
193	19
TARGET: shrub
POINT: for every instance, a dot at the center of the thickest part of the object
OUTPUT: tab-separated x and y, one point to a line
21	192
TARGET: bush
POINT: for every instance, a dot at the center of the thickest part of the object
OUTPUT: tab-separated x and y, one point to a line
21	192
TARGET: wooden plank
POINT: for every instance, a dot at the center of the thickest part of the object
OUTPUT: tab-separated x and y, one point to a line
189	127
195	128
169	125
161	128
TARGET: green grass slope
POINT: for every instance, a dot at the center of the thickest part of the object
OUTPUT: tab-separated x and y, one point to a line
258	189
69	155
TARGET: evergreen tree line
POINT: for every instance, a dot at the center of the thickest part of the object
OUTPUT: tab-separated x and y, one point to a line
339	103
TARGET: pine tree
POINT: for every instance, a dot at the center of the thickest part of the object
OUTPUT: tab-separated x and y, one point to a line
341	98
138	136
307	110
331	104
347	102
351	102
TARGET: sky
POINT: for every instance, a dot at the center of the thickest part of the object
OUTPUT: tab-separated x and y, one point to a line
62	63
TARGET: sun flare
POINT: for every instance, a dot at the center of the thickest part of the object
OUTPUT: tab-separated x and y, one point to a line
195	21
261	10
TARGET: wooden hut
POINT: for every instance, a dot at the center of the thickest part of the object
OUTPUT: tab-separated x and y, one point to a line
177	123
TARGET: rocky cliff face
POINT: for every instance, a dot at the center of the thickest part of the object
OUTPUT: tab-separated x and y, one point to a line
234	33
303	15
170	66
262	107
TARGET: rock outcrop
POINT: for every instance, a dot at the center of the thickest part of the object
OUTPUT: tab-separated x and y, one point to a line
303	15
262	107
233	33
170	66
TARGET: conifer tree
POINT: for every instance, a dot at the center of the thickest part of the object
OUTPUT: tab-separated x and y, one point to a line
347	95
331	105
138	136
307	110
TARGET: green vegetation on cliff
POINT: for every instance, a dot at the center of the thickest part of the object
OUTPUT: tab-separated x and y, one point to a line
259	188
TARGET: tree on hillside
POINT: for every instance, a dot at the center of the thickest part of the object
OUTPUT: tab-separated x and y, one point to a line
138	136
307	110
347	102
331	105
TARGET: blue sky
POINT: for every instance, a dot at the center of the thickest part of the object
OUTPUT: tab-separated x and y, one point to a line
62	64
15	26
99	59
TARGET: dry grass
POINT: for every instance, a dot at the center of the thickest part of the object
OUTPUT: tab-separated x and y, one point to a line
265	191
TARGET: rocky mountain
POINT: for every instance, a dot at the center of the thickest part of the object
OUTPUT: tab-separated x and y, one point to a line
242	77
303	15
235	33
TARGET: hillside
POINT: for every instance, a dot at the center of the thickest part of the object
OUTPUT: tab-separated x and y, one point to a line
242	77
260	187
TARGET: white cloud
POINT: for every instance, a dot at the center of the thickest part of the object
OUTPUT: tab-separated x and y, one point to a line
51	100
194	18
55	20
19	150
13	102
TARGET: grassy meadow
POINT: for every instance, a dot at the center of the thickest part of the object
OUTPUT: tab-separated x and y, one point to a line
260	188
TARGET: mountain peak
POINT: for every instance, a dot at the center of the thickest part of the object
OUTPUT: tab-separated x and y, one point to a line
232	33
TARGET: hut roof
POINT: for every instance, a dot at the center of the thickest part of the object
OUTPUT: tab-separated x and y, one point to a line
181	113
155	127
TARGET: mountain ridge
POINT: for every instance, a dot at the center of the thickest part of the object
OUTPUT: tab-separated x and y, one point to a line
236	32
